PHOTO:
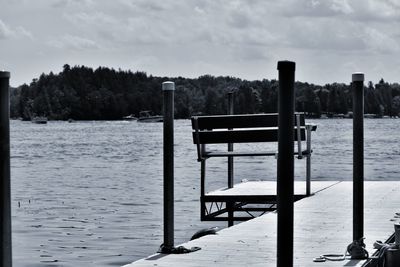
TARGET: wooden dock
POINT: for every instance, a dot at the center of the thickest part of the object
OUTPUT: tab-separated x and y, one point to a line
262	188
323	225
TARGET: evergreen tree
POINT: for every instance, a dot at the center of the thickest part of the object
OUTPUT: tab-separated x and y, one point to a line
82	93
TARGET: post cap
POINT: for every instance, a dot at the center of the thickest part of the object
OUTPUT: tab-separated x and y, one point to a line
4	74
168	86
286	65
357	77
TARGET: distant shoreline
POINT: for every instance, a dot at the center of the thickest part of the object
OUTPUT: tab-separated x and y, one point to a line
313	118
83	93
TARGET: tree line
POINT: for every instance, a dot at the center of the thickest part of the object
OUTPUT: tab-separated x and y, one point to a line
83	93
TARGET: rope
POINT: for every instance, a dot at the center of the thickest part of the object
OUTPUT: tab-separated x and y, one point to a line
382	248
176	250
330	257
356	250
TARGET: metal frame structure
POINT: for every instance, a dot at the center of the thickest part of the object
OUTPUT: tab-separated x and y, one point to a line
244	207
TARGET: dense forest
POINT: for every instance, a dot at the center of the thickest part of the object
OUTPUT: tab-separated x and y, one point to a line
81	93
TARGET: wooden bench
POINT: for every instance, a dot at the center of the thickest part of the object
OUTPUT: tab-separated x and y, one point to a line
234	201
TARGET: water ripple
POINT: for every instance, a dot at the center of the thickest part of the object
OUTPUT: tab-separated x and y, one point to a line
90	193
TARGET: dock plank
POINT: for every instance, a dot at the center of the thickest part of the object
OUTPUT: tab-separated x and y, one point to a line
266	188
323	225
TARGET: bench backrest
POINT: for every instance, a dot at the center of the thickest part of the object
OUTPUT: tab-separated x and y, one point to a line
242	128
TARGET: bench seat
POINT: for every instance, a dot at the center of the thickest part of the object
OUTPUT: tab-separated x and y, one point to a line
209	132
210	154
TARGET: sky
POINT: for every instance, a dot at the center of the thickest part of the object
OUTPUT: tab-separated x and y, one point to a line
328	39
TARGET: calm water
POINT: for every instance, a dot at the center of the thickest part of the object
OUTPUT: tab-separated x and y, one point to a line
90	193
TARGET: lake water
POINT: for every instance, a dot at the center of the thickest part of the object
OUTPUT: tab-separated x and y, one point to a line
90	193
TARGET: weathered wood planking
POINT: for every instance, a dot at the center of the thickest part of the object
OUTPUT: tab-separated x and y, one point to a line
323	224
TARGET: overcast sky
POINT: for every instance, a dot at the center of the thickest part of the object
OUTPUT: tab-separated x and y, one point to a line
328	39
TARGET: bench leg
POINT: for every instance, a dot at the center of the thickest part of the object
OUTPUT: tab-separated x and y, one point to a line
229	206
308	175
202	189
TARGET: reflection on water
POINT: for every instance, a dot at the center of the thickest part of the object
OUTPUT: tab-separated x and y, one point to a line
90	193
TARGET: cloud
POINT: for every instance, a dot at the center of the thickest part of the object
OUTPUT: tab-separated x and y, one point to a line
383	10
220	23
354	10
393	3
140	30
208	36
7	32
315	8
66	3
22	32
378	41
323	34
251	53
91	19
73	43
341	6
149	5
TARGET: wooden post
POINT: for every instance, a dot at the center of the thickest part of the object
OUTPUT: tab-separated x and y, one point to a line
5	190
230	205
358	155
285	179
168	91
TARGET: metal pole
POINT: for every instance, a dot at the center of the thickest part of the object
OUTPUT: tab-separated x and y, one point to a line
285	179
168	90
5	190
230	163
358	155
308	161
230	145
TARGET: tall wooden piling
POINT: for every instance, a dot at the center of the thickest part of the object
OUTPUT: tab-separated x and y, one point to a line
285	172
168	91
358	155
5	189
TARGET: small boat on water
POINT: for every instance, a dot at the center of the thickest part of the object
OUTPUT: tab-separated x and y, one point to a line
39	120
129	118
145	116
